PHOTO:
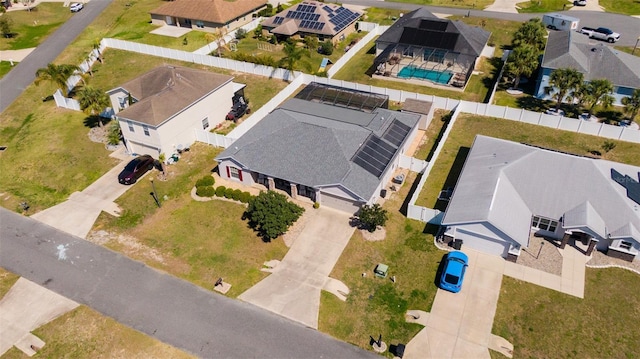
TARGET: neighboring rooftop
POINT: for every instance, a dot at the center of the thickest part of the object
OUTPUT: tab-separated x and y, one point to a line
166	90
312	17
421	28
569	49
317	145
506	183
216	11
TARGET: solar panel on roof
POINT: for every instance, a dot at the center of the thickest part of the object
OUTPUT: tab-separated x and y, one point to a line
315	17
433	25
396	132
327	9
632	186
429	38
374	155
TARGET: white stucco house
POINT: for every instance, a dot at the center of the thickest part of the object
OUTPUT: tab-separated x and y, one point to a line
160	111
508	192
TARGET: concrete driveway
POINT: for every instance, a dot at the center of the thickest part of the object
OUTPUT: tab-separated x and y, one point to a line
293	289
77	214
459	324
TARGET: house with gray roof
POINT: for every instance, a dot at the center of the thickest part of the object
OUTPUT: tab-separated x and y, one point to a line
508	192
336	156
159	111
423	47
594	59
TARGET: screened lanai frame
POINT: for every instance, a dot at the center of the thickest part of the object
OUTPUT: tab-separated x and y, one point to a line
343	97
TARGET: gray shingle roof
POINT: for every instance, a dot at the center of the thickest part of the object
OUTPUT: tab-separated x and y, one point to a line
313	144
548	183
471	40
596	60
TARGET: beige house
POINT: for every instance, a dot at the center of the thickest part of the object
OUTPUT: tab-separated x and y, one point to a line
207	15
160	111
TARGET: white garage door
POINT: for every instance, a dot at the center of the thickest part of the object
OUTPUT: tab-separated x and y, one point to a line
339	203
482	243
140	149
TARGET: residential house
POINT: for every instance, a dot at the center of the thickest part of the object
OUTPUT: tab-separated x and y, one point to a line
326	21
159	111
509	192
594	59
207	15
420	46
335	155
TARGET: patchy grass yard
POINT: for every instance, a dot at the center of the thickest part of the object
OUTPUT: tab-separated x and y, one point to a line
5	67
542	323
449	163
627	7
382	16
30	28
534	6
471	4
7	280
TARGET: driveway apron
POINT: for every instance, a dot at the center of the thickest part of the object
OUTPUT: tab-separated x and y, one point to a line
293	289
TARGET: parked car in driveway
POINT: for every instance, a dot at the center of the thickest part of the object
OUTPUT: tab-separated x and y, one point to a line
455	266
135	169
580	3
76	6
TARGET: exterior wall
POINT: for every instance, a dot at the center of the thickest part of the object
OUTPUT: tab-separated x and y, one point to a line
115	97
479	237
346	32
208	26
224	167
612	252
180	130
137	141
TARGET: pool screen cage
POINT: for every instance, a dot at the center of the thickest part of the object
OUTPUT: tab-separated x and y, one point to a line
343	97
418	60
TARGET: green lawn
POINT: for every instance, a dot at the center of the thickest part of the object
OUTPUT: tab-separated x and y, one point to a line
542	323
382	16
534	6
471	4
30	28
627	7
5	67
449	163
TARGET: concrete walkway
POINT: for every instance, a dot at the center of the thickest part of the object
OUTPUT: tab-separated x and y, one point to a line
24	308
293	288
508	6
77	215
592	5
15	55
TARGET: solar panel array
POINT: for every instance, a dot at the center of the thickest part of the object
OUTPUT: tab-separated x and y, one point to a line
278	20
433	25
313	25
396	132
299	15
632	186
374	155
429	38
341	17
306	8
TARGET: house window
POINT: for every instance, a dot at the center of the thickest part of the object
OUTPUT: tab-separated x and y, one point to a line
205	123
131	129
626	245
199	24
233	172
545	224
146	130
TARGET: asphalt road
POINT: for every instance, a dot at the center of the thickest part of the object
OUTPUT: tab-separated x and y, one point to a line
627	26
174	311
21	76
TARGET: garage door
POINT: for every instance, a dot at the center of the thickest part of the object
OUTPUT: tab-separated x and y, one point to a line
141	149
482	243
339	203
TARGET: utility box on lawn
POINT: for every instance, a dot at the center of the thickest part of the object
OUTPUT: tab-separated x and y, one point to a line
560	22
381	270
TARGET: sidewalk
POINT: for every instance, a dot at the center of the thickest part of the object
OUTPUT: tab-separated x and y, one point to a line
15	55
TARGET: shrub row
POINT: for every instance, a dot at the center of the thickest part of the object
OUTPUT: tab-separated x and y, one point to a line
205	181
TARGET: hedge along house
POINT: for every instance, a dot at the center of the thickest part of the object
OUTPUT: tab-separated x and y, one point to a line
421	47
336	156
159	111
595	60
509	192
207	15
326	21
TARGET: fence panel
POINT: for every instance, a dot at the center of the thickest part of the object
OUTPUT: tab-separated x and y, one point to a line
630	135
530	117
611	131
590	128
550	121
569	124
412	164
496	111
513	113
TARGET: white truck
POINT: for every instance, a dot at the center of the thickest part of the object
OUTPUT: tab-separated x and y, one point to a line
561	22
601	33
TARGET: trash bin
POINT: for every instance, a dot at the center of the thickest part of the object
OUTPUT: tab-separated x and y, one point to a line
383	193
399	352
457	244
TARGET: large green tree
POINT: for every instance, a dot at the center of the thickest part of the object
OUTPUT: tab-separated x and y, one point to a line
93	101
563	82
596	92
293	53
632	104
58	74
522	61
372	216
531	33
270	214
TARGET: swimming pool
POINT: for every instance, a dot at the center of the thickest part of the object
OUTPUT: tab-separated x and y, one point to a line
441	77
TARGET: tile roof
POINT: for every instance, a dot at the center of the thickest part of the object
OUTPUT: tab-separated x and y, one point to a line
217	11
292	20
546	183
314	144
470	40
596	60
166	90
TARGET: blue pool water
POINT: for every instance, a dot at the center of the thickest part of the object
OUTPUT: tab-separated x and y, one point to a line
441	77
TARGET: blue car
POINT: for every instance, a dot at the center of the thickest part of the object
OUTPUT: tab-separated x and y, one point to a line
455	265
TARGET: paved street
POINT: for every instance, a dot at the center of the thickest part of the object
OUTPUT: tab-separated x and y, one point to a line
13	83
174	311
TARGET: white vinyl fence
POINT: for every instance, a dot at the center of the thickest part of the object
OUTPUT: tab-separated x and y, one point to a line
65	102
374	31
208	48
412	164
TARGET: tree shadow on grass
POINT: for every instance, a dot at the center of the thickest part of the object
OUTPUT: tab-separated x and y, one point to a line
489	81
452	177
95	121
610	117
532	104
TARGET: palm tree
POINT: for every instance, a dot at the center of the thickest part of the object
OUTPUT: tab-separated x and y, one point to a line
563	82
632	104
57	74
522	61
531	33
96	46
218	37
93	101
597	92
293	54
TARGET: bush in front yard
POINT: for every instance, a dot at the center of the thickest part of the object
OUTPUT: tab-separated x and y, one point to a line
372	216
220	191
205	181
205	191
236	194
271	214
228	193
245	197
